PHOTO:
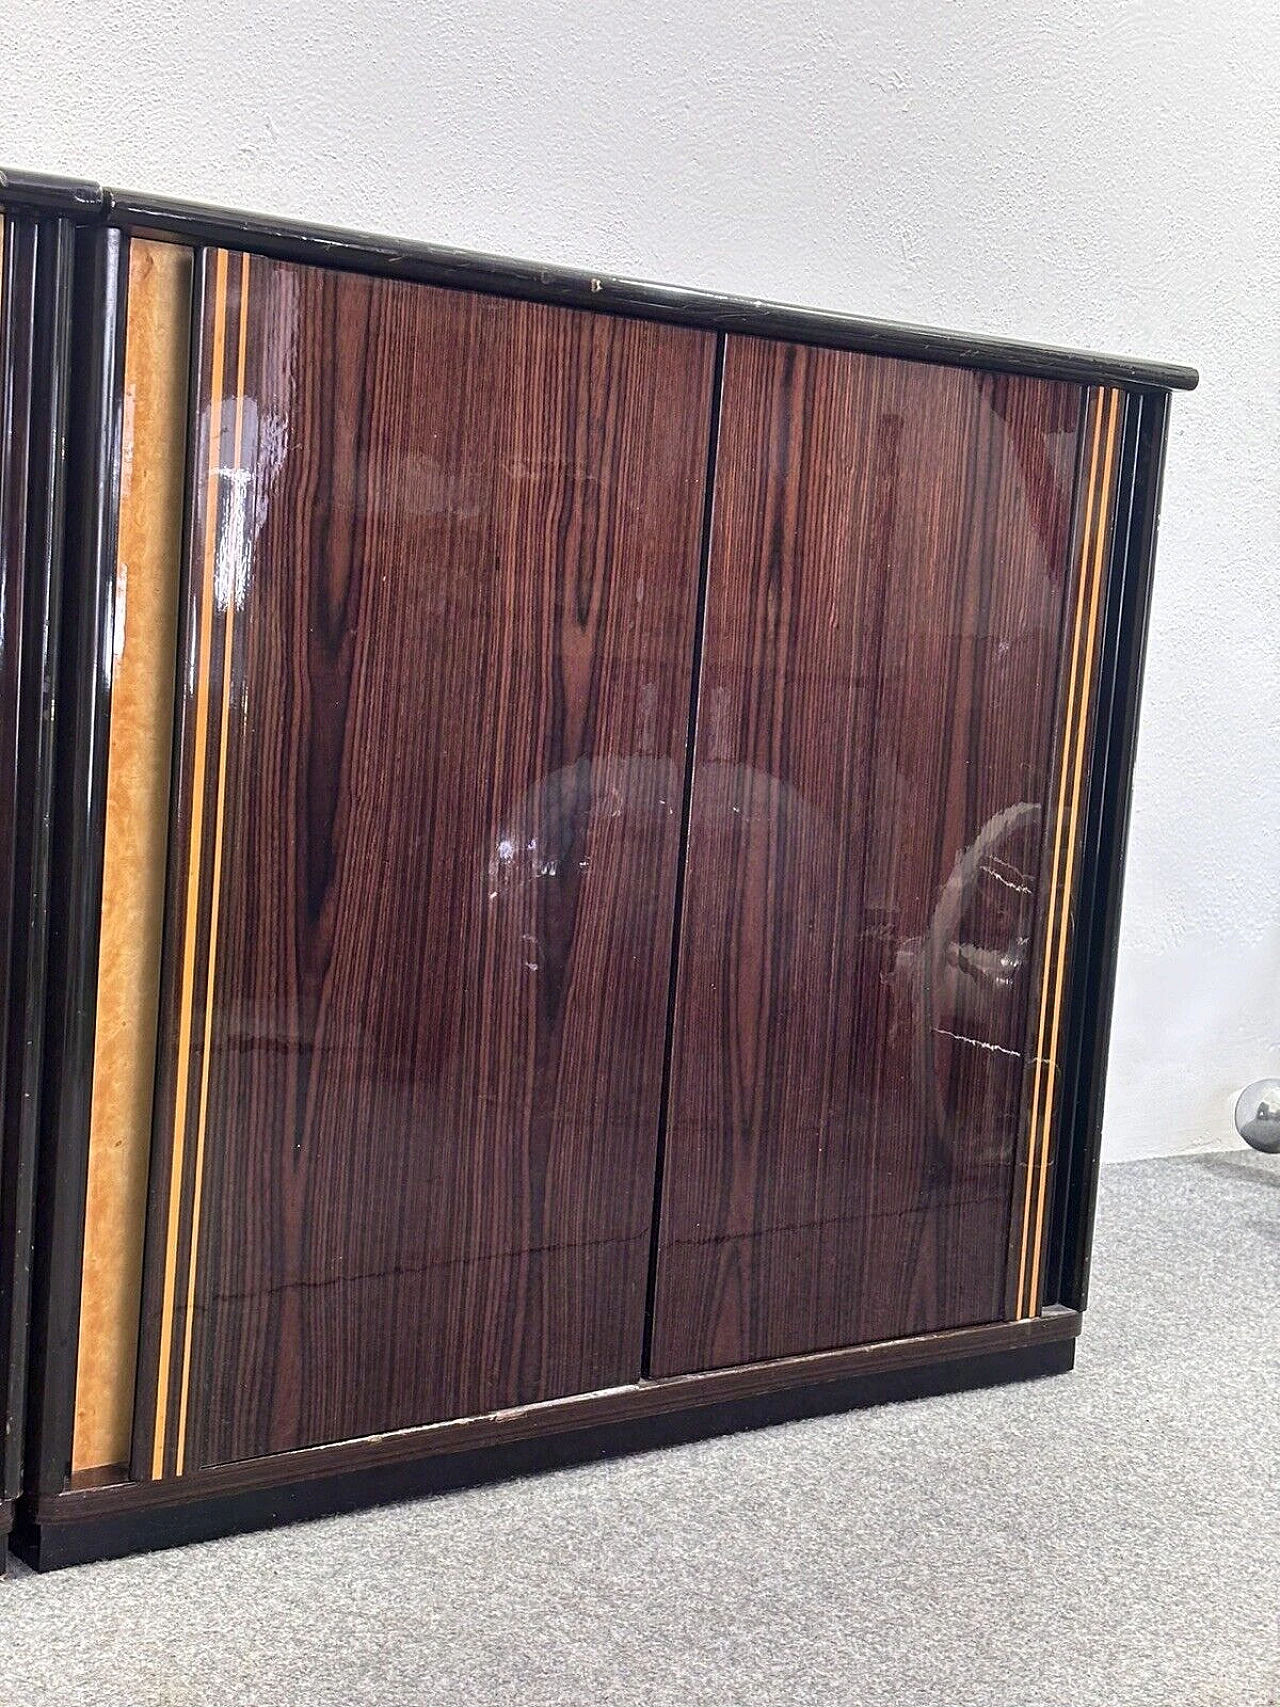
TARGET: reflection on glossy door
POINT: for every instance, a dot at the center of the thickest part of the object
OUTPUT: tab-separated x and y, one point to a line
886	609
438	633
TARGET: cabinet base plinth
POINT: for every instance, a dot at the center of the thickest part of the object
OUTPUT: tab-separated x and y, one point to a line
102	1523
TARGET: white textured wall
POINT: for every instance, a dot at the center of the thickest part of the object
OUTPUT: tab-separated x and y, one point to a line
1102	173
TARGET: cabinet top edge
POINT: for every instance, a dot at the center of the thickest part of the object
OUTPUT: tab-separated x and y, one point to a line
318	245
41	192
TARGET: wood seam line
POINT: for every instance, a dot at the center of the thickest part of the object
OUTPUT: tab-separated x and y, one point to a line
219	827
1047	970
194	855
1080	767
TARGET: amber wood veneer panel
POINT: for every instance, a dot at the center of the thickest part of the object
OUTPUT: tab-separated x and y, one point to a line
438	634
889	585
157	351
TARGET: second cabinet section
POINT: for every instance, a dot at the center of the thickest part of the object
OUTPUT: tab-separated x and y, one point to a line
438	971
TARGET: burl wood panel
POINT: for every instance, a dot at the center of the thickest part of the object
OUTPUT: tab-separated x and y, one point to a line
437	647
157	348
888	583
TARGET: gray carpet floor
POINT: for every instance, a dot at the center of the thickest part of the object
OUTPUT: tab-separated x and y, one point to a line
1110	1537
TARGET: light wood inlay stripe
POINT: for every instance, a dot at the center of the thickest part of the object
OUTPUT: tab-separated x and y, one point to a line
1055	870
228	590
186	1011
1106	415
1079	768
157	345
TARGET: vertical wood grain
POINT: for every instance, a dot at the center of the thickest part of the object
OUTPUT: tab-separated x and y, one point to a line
885	618
157	342
437	635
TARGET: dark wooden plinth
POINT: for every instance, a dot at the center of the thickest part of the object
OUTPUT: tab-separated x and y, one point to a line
101	1523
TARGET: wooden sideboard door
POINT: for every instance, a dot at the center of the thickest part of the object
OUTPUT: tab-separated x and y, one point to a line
436	639
890	614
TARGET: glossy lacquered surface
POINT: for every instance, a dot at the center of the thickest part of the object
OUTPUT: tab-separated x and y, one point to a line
17	318
309	1277
135	844
190	222
316	245
865	901
436	651
103	1521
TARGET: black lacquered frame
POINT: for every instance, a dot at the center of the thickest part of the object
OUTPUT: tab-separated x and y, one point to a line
37	309
78	841
1097	933
316	245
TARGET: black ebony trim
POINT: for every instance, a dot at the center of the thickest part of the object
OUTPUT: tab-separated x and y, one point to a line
39	192
318	245
104	1527
17	373
327	246
1092	981
40	566
79	812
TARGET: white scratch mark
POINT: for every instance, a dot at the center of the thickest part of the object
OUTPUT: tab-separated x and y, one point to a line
977	1042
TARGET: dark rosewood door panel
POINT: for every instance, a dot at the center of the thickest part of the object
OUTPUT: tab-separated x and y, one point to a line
435	677
875	759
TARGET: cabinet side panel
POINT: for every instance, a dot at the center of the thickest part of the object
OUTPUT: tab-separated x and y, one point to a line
153	463
439	615
17	317
72	684
887	600
1077	1139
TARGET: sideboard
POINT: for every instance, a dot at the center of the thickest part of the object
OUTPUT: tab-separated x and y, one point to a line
560	860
